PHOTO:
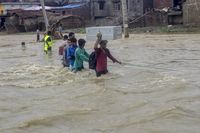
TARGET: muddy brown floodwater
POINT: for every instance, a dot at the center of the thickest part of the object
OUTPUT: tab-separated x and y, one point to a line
156	90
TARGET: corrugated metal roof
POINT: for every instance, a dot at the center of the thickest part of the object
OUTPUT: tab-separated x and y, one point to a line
70	6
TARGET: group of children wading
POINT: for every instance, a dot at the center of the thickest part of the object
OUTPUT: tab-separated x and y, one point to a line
74	55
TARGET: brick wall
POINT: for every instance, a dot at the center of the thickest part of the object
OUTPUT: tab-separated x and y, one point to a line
160	4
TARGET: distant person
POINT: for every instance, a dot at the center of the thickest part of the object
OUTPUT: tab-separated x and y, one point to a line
80	56
71	52
101	56
63	44
23	44
38	35
64	49
60	29
48	42
0	23
71	35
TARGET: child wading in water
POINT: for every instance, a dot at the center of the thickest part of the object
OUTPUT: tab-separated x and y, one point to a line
71	52
63	51
102	53
80	56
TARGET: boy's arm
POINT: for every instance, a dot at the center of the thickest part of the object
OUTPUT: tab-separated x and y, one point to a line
97	42
49	39
83	56
111	57
86	54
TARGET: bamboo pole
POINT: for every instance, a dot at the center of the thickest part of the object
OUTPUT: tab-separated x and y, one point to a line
44	15
125	18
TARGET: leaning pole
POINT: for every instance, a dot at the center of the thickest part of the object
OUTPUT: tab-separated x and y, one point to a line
125	18
44	15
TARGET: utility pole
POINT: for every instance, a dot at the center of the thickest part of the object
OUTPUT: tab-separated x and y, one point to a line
44	15
125	18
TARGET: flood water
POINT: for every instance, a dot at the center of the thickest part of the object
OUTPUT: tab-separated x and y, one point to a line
156	90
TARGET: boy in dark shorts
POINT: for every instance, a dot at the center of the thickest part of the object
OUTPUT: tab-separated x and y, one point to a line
80	56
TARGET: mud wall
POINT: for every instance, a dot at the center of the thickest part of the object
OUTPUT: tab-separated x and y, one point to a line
191	13
156	18
83	12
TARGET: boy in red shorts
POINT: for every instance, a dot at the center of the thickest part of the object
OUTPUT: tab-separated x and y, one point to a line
102	52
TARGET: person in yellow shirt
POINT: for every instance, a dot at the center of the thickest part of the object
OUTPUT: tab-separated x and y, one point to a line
48	42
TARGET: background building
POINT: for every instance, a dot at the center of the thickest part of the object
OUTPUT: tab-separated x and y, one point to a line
109	12
191	13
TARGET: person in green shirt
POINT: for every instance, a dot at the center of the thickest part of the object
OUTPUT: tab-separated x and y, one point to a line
80	56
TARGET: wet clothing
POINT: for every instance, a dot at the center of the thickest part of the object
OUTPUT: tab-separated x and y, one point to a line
98	74
65	59
80	56
60	31
71	54
101	64
47	43
62	47
61	50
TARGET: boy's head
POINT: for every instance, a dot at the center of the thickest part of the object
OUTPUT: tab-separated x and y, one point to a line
103	43
23	44
73	40
49	33
71	35
81	43
65	37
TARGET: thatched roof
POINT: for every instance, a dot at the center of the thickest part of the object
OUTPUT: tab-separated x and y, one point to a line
31	19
